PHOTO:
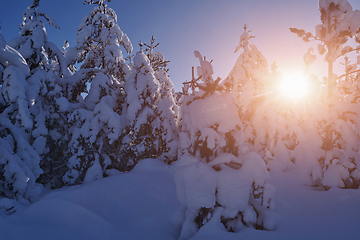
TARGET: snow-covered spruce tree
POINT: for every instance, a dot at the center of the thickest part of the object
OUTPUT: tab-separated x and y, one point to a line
266	119
46	104
142	138
246	82
217	178
339	164
167	111
347	131
19	162
98	121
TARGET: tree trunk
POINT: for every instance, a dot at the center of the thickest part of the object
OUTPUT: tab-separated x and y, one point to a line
330	80
328	132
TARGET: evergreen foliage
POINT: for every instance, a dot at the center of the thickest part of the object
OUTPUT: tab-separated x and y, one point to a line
19	162
335	161
97	121
86	112
167	111
47	105
217	177
142	89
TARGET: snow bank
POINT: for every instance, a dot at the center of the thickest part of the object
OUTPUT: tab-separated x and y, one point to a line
143	204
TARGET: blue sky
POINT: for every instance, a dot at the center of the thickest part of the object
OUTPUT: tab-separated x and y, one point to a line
212	27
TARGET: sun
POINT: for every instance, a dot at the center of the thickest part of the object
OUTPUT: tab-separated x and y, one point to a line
294	85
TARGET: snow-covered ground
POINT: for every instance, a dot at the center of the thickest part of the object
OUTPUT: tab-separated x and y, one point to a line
142	204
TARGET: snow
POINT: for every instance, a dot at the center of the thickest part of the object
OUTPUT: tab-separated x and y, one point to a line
233	191
196	185
84	34
142	204
14	91
20	169
205	70
344	5
334	176
337	17
14	58
95	172
220	183
309	58
63	104
216	109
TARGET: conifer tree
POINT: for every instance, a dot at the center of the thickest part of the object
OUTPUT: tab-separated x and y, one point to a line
143	91
337	165
265	117
214	164
166	110
247	82
19	162
98	120
46	104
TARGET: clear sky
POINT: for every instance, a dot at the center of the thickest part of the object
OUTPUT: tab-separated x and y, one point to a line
212	27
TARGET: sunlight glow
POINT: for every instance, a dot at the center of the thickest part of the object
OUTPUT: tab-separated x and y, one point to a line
294	86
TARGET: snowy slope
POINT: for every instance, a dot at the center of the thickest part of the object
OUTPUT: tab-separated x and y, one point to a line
136	205
142	204
303	213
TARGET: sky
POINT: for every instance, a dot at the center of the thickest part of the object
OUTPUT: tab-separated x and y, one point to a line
212	27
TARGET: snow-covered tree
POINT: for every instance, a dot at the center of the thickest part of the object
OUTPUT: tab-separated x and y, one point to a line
216	176
46	104
247	82
32	42
151	111
98	120
157	59
142	135
19	162
166	109
266	119
168	115
339	23
337	165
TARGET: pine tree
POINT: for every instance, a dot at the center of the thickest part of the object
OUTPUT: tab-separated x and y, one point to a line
98	120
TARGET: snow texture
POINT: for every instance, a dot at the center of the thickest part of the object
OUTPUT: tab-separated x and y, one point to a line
142	204
217	178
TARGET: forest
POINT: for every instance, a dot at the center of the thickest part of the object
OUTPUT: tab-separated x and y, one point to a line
102	109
